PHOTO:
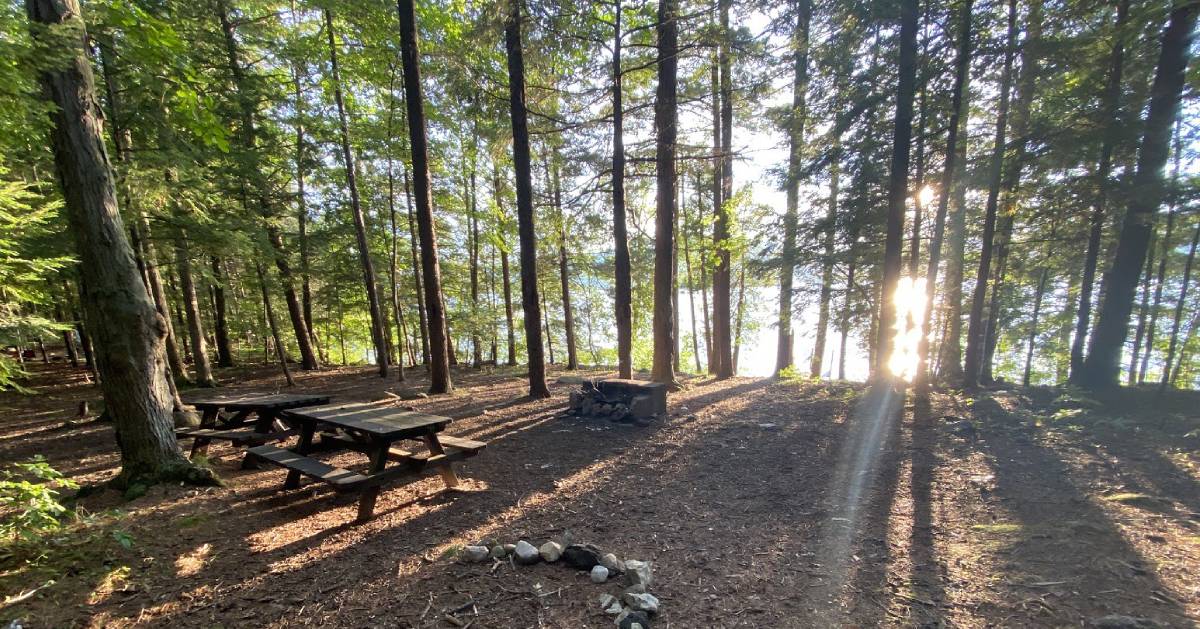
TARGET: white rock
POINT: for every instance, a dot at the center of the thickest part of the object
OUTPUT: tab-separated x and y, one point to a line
614	608
475	554
526	553
599	574
550	551
639	572
642	602
613	564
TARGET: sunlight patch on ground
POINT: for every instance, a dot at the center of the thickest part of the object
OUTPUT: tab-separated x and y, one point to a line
193	561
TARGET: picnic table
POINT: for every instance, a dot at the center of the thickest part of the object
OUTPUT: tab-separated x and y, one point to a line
235	424
374	431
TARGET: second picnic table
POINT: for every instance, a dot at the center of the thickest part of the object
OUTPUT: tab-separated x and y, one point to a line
236	428
371	430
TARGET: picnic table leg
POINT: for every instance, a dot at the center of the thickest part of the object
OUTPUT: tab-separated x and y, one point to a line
366	504
262	425
447	472
306	437
208	420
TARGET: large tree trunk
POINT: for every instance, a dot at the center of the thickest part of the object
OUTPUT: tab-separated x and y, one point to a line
1102	366
962	69
898	183
976	324
253	182
378	324
1112	106
665	119
624	282
1179	304
524	184
796	120
191	307
439	358
722	293
128	331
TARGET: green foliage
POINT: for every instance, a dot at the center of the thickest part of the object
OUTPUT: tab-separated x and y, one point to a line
29	500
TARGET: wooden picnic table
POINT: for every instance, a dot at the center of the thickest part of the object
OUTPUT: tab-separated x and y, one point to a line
235	426
371	430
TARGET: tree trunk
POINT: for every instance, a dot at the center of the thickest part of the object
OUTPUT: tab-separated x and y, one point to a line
224	347
393	254
624	282
1101	367
191	307
722	293
898	183
1179	303
1162	265
687	262
416	267
508	302
740	313
129	332
524	183
665	119
1033	325
962	70
252	182
563	273
301	204
439	358
269	313
976	325
378	325
795	123
1112	106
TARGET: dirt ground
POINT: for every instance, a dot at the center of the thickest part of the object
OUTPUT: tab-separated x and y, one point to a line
760	503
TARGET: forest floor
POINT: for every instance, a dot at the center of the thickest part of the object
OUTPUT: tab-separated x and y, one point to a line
761	503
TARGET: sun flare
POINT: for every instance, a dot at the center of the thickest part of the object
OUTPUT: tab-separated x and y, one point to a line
909	299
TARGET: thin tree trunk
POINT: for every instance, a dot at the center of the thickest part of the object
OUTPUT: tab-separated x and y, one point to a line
665	120
702	262
504	267
270	315
687	261
1152	327
524	183
1143	311
741	311
624	282
393	254
796	120
1101	368
976	325
224	347
439	358
129	333
378	325
417	270
563	272
1033	325
1179	304
191	307
962	69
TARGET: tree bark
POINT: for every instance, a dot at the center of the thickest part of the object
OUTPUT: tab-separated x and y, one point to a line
1033	325
722	293
191	307
129	332
796	121
524	184
624	282
976	324
423	321
687	261
1152	327
269	313
665	119
1102	367
1112	106
898	182
224	347
439	358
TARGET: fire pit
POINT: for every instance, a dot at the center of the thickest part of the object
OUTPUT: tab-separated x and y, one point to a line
625	401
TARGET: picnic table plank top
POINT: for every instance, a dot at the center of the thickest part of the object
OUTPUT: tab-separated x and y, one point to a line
257	401
374	421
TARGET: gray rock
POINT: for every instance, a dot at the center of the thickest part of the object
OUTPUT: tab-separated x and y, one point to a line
581	556
615	566
475	554
639	572
645	602
1117	621
499	551
607	599
550	552
634	589
510	549
599	574
526	553
633	620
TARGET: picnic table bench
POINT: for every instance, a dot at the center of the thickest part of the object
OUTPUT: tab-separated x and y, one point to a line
235	425
374	431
